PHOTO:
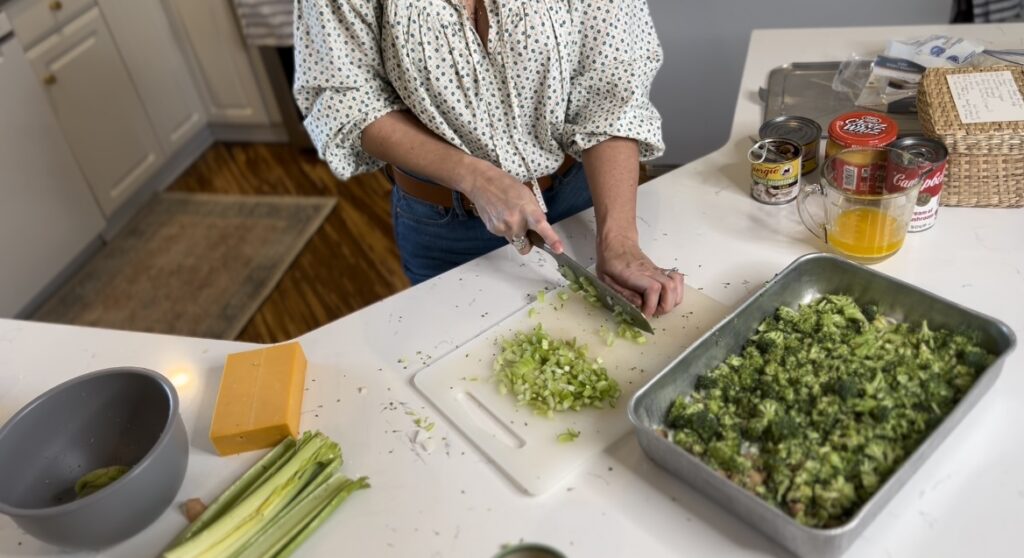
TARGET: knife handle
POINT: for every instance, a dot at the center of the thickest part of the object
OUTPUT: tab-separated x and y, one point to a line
537	240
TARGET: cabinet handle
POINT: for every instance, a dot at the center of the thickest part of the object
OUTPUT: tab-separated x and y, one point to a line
56	6
49	79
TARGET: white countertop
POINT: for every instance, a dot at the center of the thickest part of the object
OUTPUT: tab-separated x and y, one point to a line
452	502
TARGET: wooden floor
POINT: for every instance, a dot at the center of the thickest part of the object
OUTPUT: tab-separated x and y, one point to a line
349	263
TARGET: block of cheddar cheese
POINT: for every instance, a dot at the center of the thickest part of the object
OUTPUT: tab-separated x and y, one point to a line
259	399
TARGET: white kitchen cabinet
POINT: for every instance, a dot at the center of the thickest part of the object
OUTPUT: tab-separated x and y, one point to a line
48	217
34	19
157	67
228	80
98	109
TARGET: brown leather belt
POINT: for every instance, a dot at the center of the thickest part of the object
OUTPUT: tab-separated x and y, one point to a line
442	195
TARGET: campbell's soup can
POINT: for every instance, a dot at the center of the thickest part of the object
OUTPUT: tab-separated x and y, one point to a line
865	172
932	172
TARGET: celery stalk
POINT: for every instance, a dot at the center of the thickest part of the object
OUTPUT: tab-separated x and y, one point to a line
289	524
322	516
235	492
304	439
252	512
322	477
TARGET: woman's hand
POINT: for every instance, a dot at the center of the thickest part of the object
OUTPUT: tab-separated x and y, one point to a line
508	207
623	266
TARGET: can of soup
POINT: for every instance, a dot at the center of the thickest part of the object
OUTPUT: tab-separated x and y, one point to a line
860	172
775	170
932	155
800	129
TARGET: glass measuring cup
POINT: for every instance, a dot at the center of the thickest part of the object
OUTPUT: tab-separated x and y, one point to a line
867	198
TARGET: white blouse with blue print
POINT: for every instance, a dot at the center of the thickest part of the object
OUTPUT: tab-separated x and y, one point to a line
556	77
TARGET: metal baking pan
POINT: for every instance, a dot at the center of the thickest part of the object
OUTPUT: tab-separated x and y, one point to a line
805	89
804	280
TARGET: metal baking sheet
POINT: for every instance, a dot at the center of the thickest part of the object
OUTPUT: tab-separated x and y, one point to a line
804	280
805	89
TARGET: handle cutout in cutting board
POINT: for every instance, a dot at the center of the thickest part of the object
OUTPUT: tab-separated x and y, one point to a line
488	421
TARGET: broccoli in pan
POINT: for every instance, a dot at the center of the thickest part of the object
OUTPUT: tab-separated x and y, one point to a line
823	403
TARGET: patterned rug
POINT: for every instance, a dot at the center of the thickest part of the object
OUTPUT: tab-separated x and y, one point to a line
198	265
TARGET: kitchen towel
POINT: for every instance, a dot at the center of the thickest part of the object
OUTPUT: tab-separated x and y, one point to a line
266	22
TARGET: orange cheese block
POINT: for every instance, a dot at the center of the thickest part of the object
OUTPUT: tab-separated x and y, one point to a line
259	399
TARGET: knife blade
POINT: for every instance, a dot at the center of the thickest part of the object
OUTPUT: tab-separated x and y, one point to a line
607	296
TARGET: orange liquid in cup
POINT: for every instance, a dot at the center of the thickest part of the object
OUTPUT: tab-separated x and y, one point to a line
866	233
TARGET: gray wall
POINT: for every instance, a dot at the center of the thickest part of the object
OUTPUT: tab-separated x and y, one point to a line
705	46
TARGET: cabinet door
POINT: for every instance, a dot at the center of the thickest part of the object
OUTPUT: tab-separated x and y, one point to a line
228	82
47	214
98	109
156	64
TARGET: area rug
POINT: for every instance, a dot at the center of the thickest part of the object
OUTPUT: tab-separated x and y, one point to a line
189	264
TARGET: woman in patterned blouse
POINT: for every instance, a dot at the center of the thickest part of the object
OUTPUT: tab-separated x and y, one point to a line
488	98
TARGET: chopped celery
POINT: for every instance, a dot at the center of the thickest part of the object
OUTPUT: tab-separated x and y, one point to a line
531	313
424	423
635	335
583	286
541	295
569	435
94	481
563	296
552	374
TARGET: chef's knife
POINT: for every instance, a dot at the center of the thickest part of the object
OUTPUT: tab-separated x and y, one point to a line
607	296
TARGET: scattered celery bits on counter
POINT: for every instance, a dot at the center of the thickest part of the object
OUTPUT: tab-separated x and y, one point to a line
551	374
823	404
569	435
275	506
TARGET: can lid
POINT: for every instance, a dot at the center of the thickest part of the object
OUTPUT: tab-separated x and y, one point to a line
863	129
930	150
800	129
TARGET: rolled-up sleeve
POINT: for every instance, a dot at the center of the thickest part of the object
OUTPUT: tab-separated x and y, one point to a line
340	83
609	92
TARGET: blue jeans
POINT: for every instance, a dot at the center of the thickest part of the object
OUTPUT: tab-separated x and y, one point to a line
433	239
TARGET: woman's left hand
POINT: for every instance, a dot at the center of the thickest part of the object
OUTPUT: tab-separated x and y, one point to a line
623	266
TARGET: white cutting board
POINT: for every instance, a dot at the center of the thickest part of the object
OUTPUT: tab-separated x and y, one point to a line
523	444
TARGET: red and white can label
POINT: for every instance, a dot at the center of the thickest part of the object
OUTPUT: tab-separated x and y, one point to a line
858	178
900	177
927	209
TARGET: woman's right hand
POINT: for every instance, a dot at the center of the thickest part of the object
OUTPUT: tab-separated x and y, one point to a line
507	206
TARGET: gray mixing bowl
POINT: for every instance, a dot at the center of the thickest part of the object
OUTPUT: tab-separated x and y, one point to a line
117	416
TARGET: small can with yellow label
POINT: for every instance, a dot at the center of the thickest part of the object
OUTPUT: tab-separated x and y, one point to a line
775	170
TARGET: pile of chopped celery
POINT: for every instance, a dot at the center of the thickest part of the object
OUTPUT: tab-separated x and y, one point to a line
551	374
274	507
625	330
824	403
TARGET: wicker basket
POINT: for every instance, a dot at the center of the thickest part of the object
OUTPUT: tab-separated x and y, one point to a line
986	160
